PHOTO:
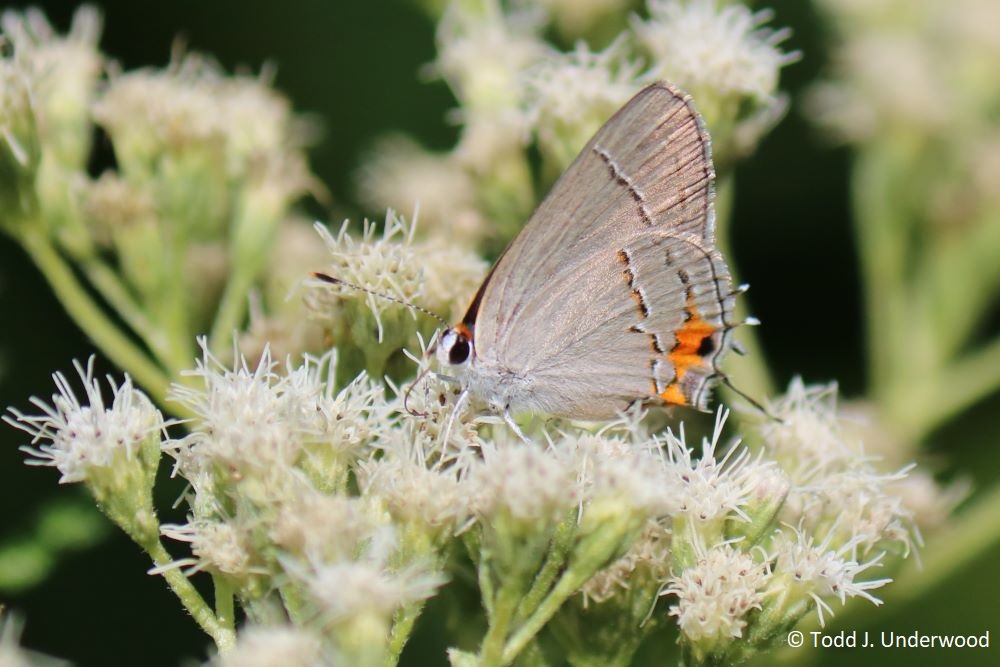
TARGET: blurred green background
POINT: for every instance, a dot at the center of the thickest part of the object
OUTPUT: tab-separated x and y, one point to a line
354	66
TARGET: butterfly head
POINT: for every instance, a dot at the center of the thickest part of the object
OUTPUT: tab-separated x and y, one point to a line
455	347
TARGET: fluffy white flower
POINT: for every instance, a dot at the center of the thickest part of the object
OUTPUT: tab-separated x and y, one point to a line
216	546
716	593
569	96
482	52
400	175
268	645
713	487
824	570
833	482
61	73
85	436
526	481
702	46
343	590
247	418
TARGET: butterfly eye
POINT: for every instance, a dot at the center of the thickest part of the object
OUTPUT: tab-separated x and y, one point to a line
459	352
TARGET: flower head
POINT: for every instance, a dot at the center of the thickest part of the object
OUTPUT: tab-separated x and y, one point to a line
569	96
233	135
379	290
266	645
715	595
613	469
249	418
309	522
61	74
646	564
835	486
399	174
386	265
714	487
919	68
261	424
702	47
346	589
482	52
575	18
219	547
194	105
726	59
525	482
821	571
436	498
87	438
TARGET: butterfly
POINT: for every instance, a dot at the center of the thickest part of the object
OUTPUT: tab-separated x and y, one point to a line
613	293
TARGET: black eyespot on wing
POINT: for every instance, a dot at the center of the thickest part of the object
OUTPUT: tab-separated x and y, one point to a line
459	352
706	347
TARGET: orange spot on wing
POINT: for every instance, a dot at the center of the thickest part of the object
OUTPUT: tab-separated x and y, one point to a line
689	340
673	395
463	330
684	355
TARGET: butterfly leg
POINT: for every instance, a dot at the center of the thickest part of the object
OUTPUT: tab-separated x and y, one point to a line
459	404
513	425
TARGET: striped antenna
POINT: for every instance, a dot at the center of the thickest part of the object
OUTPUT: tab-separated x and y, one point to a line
382	295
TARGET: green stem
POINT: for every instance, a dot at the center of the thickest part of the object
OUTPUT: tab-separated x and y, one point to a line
294	602
473	545
230	314
117	295
920	408
179	338
562	545
492	652
173	311
92	320
882	252
402	627
568	585
592	553
224	610
223	636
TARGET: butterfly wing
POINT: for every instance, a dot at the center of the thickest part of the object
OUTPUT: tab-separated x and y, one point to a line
613	291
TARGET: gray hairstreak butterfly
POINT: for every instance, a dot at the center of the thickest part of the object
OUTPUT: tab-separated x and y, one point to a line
614	292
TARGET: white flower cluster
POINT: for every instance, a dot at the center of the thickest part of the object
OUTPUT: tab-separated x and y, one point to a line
923	67
338	509
86	437
512	86
835	486
716	593
273	455
431	274
58	73
195	105
710	45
